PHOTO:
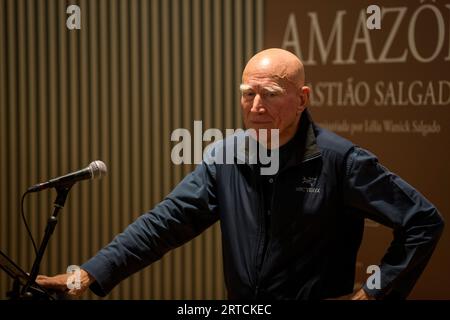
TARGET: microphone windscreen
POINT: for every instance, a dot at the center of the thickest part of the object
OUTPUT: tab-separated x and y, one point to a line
98	169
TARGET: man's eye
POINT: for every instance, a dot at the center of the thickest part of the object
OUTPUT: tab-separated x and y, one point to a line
249	94
271	94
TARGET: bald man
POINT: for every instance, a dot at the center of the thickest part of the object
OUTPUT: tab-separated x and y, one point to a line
293	234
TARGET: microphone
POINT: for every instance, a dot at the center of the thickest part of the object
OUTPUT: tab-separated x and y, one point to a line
96	169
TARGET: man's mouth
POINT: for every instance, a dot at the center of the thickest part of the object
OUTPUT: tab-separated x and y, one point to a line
261	121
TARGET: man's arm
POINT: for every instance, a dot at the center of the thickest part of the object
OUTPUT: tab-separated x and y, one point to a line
384	197
187	211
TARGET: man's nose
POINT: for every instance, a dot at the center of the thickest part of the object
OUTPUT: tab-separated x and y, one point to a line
258	106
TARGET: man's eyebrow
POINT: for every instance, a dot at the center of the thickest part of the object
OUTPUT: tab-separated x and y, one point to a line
245	87
272	88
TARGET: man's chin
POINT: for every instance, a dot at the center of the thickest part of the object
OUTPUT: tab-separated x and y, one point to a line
261	132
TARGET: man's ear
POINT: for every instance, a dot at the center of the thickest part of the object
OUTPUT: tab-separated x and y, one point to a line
304	98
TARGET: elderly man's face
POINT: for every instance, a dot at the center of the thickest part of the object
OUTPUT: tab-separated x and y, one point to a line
269	102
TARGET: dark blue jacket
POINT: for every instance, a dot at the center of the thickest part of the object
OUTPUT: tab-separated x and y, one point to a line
320	200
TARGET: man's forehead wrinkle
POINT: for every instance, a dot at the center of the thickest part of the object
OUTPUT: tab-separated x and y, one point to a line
282	77
261	77
279	72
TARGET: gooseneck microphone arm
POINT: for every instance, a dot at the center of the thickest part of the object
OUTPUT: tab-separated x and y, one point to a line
61	197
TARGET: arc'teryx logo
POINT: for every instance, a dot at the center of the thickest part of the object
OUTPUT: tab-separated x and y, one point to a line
307	185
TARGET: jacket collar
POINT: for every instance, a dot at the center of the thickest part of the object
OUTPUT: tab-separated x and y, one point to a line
305	143
305	139
311	150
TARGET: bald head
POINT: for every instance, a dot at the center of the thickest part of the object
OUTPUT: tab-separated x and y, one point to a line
278	64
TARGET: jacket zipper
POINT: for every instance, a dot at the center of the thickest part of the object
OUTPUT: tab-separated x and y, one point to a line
261	235
312	157
262	241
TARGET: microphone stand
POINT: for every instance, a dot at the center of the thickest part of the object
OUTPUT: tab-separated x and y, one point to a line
61	197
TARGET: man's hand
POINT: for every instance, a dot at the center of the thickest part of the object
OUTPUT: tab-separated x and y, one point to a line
59	283
362	295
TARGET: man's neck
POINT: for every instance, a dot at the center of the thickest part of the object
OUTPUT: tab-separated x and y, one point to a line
285	138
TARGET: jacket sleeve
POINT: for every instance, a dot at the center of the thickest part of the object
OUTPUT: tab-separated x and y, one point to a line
187	211
387	199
